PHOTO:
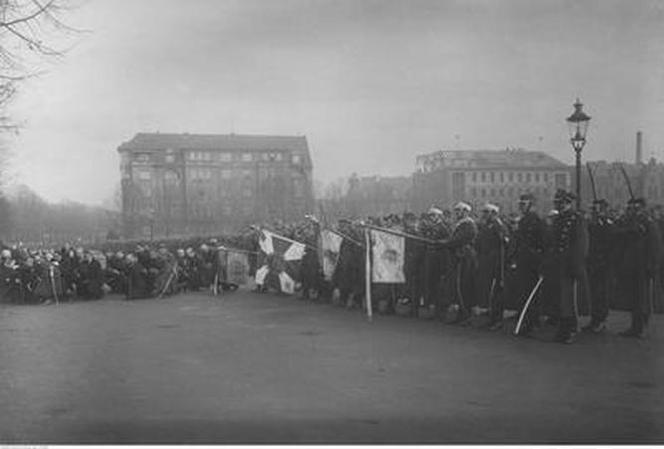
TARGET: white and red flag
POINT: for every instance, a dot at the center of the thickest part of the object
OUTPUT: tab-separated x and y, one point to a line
279	262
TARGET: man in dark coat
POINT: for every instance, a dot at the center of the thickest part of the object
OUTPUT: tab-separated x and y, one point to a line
462	246
491	241
138	287
437	263
349	275
414	264
529	249
642	257
600	271
568	253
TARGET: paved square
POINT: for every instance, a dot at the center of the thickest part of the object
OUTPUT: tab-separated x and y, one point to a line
250	368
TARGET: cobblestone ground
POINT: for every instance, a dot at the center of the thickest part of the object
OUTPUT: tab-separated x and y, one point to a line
264	368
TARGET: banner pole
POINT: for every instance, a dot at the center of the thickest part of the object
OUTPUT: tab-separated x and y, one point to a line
367	265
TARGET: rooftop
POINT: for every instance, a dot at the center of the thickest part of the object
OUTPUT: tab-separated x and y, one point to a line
490	158
214	142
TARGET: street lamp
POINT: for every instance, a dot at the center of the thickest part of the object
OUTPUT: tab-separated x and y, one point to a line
578	126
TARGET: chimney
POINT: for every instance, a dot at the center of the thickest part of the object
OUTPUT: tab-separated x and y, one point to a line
639	149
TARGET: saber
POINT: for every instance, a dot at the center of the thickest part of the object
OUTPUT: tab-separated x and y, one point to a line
168	281
651	295
527	304
215	288
592	181
629	185
51	276
491	292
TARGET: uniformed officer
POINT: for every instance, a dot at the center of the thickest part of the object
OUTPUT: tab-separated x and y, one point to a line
600	256
529	236
462	246
642	256
492	238
569	252
414	264
436	260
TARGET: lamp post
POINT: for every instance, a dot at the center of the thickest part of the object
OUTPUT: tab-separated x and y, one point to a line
578	127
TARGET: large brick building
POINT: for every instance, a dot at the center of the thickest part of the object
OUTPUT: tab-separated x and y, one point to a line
176	184
481	176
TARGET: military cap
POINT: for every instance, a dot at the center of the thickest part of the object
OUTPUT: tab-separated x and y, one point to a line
462	206
527	198
490	208
562	195
433	210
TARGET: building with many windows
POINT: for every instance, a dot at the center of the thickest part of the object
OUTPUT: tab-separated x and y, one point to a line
481	176
646	180
177	184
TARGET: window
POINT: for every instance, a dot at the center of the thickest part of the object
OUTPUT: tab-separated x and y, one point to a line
200	174
247	157
528	177
297	159
142	157
493	193
483	177
474	177
473	192
225	173
537	177
546	177
511	176
493	177
483	193
170	158
144	175
501	192
502	177
519	177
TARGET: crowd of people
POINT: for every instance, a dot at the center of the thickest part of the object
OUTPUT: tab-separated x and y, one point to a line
552	268
459	264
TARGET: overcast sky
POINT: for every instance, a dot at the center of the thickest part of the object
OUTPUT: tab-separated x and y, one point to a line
370	83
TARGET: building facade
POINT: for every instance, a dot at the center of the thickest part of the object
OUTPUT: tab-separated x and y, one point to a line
647	181
480	176
180	184
368	196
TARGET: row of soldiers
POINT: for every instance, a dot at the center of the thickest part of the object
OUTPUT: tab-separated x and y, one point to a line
560	266
457	264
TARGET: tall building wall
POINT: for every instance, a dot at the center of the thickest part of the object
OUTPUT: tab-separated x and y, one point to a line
480	176
179	184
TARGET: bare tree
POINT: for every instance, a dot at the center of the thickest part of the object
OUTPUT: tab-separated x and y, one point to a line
26	28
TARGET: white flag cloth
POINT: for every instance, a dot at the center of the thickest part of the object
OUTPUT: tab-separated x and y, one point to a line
279	262
387	255
330	243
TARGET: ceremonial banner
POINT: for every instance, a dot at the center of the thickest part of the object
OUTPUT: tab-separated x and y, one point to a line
279	262
387	257
233	266
330	245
